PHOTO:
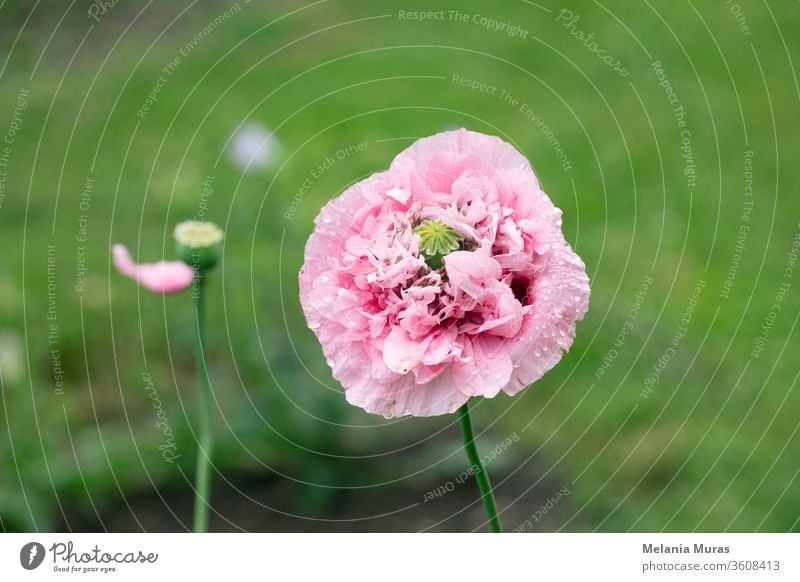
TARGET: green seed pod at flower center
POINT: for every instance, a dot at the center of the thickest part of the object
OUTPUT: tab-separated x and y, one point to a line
436	240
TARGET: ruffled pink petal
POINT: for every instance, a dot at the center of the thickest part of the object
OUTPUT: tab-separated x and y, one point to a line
486	367
401	353
404	396
467	271
506	319
560	299
162	277
489	153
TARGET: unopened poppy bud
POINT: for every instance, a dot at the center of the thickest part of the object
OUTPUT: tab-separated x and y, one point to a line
198	243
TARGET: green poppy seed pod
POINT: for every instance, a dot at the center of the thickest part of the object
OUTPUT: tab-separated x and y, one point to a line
198	244
436	240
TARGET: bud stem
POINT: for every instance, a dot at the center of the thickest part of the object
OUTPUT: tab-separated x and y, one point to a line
202	500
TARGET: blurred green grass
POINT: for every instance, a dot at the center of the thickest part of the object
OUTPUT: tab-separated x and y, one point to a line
710	448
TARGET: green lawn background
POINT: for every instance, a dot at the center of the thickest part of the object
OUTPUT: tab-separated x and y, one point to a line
712	447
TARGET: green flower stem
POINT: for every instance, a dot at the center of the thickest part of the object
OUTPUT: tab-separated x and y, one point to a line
202	499
481	476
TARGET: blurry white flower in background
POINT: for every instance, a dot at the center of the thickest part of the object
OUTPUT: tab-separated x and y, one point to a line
12	365
254	146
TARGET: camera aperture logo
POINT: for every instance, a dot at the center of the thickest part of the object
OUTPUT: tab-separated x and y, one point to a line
67	558
31	555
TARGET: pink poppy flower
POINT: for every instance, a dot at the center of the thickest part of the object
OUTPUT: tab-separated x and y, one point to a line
161	277
445	277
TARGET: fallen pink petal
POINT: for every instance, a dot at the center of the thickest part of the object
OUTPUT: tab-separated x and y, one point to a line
162	277
445	277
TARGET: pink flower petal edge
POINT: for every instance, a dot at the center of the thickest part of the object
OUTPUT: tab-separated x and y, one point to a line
406	339
162	277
